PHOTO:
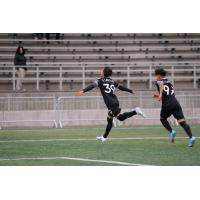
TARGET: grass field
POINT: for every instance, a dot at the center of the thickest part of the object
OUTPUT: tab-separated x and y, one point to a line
77	146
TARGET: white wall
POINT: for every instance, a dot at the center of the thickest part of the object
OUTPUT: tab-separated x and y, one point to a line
82	118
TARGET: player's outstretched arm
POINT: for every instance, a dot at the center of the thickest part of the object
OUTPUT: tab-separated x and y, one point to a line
79	93
88	88
161	86
122	88
155	96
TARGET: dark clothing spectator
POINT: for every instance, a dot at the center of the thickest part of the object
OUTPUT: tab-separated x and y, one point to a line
38	36
20	62
46	35
57	36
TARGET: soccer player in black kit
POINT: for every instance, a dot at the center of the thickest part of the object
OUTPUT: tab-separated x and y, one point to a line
170	106
107	87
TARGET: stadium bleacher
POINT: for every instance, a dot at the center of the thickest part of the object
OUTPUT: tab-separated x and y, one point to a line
75	60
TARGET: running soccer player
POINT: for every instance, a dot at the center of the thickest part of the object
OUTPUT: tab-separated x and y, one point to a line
170	106
107	87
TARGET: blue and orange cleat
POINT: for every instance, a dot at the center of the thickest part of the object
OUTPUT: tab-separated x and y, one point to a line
173	136
192	141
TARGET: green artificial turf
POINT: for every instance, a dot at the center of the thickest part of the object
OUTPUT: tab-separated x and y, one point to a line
144	151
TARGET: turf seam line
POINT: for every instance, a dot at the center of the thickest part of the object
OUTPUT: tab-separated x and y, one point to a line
76	159
88	139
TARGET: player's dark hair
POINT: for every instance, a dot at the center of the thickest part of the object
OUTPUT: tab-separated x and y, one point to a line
160	72
107	72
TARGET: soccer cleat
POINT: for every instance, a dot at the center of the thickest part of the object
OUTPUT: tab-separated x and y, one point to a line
173	136
101	138
192	141
139	112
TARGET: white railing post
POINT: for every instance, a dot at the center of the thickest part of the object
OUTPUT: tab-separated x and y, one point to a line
60	81
8	102
128	76
150	77
56	108
37	78
195	77
58	112
83	76
14	78
172	74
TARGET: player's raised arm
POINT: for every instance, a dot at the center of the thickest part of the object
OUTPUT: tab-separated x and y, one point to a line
161	88
122	88
88	88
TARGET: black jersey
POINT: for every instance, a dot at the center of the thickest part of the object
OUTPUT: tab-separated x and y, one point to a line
168	95
107	87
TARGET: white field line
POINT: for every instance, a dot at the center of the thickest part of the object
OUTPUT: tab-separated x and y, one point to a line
119	127
76	159
89	139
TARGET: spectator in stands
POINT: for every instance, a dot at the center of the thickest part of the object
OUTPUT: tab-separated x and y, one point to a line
39	36
198	81
20	63
57	36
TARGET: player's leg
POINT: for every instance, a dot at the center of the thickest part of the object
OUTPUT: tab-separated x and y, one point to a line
108	127
178	114
188	131
22	76
126	115
164	114
18	80
166	124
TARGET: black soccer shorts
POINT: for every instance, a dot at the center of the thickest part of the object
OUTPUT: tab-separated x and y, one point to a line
174	110
114	112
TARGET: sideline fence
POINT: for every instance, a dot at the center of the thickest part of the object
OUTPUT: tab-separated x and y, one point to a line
87	110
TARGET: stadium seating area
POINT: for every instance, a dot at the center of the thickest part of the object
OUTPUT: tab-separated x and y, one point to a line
75	60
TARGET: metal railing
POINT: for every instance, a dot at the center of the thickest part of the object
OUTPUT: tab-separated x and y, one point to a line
86	40
56	110
27	103
13	109
82	73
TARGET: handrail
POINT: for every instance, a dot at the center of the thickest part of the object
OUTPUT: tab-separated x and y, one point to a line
131	46
60	76
51	69
121	96
143	96
121	66
104	40
39	97
112	54
106	63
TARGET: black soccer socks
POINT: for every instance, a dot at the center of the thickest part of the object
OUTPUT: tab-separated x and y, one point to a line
187	128
166	124
109	127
